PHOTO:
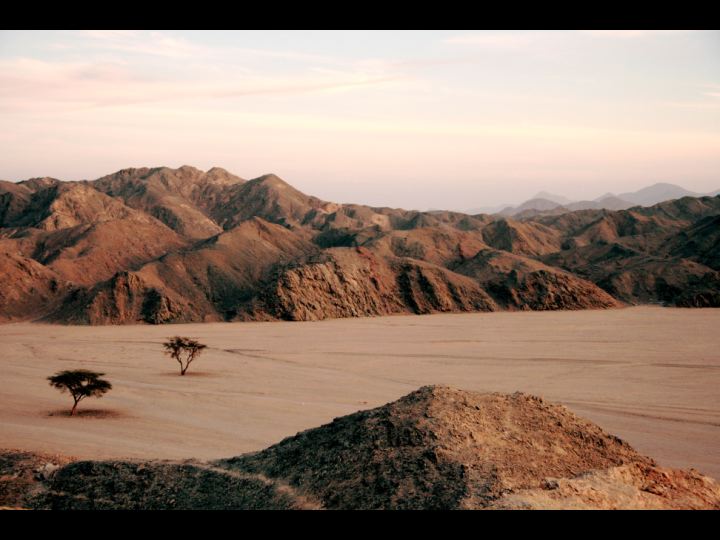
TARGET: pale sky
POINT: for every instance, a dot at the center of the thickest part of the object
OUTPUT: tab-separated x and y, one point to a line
447	119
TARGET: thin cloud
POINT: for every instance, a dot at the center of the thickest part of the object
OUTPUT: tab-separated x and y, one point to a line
712	105
29	84
714	90
516	40
630	34
499	41
162	44
284	55
152	43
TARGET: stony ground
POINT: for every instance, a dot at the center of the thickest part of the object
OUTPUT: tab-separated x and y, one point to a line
436	448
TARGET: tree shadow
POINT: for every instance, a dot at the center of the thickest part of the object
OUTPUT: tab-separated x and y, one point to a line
189	374
88	413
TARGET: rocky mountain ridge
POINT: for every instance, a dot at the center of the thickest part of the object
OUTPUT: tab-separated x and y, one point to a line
161	245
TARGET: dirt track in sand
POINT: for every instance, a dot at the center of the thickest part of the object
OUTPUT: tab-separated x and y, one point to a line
649	375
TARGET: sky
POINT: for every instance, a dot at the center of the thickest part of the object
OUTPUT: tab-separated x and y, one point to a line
411	119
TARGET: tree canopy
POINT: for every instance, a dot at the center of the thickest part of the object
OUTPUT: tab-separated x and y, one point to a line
81	383
184	350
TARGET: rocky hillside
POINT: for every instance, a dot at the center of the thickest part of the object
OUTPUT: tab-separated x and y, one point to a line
160	245
436	448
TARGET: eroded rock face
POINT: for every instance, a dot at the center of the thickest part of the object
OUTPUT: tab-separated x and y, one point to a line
545	290
355	283
634	486
124	299
529	239
329	287
701	299
435	448
27	286
700	242
517	282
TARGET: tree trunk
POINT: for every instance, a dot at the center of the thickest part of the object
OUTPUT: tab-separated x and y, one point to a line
72	412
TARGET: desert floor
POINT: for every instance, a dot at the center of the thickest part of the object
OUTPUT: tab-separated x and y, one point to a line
650	375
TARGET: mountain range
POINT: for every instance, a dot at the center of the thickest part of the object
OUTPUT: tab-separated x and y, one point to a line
544	202
162	245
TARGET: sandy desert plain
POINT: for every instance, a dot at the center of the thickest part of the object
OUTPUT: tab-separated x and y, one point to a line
650	375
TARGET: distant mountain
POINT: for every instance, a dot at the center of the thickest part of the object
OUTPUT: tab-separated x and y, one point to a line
609	202
612	202
545	202
161	245
486	209
532	204
559	199
657	193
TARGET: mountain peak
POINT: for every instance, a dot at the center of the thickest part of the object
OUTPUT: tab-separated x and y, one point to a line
656	193
219	171
559	199
662	185
271	179
40	182
189	168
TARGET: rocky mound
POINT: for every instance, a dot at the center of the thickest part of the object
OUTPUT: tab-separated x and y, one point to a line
25	475
439	447
436	448
47	481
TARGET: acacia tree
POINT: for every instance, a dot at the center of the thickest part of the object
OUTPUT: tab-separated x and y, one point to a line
184	350
81	383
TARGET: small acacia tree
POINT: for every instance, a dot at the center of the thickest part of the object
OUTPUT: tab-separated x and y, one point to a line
183	350
81	383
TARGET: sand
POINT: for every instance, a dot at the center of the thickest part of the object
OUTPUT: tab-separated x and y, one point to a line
650	375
